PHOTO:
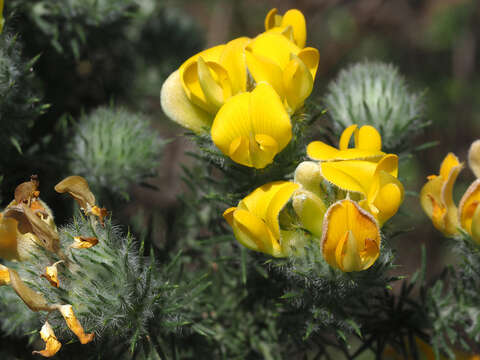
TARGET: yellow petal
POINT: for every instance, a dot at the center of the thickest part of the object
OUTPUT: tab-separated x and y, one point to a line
450	162
351	237
253	127
264	69
318	150
474	158
272	19
278	202
193	88
253	233
178	107
368	138
52	345
476	225
208	76
310	210
298	82
211	54
468	205
74	324
296	20
275	47
51	273
310	58
233	60
4	275
436	196
228	215
82	242
349	175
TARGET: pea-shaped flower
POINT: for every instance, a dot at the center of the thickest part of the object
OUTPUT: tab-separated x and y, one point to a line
192	95
436	196
252	127
351	237
273	58
255	221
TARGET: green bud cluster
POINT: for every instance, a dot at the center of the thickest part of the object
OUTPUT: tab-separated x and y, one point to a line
113	149
374	93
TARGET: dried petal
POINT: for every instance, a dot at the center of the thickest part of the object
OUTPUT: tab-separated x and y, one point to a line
74	324
34	300
4	275
52	345
51	274
25	191
78	188
100	213
83	242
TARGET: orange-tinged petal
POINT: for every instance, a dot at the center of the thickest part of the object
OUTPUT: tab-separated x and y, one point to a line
74	324
82	242
468	205
351	237
4	275
253	127
51	273
180	109
474	158
436	196
99	212
78	188
52	345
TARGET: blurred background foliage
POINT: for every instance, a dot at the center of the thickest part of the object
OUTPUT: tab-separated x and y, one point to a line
62	60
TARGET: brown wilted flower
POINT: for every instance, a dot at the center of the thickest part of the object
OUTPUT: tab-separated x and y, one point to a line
52	345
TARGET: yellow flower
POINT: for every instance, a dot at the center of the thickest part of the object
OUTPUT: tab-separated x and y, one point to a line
292	24
363	169
255	221
351	237
252	127
469	211
474	158
436	196
273	58
192	95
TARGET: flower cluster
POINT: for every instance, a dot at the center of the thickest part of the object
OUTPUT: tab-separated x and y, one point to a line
279	218
436	197
26	224
245	91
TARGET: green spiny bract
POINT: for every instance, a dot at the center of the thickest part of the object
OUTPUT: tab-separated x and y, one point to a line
114	149
126	299
373	93
19	102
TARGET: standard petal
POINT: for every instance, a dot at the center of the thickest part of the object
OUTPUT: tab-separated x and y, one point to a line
178	107
211	54
272	19
296	20
275	47
368	138
344	142
449	162
264	69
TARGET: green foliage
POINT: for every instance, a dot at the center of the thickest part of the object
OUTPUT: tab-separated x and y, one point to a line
19	100
125	298
373	93
113	149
